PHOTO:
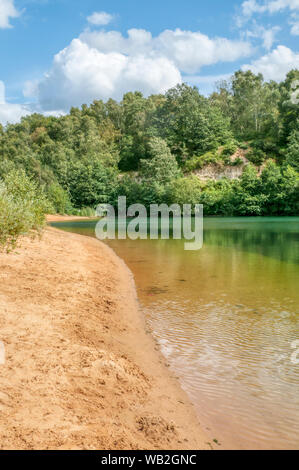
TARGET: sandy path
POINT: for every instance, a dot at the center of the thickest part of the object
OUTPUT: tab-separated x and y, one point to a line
80	371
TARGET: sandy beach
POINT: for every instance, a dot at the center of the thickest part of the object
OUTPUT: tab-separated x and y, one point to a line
81	370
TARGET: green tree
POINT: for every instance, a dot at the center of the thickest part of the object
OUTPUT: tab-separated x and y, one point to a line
292	150
91	183
161	166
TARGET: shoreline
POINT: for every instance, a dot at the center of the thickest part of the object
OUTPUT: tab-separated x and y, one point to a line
67	218
81	370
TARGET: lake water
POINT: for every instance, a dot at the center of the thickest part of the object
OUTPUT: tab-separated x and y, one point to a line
225	318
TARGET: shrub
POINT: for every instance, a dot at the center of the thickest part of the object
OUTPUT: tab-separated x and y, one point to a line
243	145
229	149
84	212
59	199
185	191
238	161
22	208
197	163
256	156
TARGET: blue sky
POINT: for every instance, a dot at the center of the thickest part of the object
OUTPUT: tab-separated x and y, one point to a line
59	53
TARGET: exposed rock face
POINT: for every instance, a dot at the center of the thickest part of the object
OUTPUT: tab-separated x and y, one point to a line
217	171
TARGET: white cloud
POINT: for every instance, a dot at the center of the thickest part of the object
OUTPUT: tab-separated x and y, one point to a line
295	28
81	74
100	18
100	65
30	88
7	11
294	22
2	93
266	35
249	7
274	6
276	64
10	112
188	50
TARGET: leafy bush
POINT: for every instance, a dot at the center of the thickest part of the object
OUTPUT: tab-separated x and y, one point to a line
229	149
84	212
22	208
185	190
256	156
59	199
243	145
197	163
237	161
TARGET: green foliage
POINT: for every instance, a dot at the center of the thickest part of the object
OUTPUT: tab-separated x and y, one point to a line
197	163
136	148
59	199
190	124
256	156
275	192
229	149
236	162
292	150
84	212
22	208
288	108
161	166
251	104
243	145
91	183
186	190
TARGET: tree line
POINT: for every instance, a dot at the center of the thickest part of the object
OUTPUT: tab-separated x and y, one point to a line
151	149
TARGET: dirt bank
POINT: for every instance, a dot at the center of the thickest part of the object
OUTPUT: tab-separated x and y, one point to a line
81	372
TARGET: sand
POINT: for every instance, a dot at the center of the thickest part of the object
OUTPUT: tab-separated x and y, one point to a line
81	370
67	218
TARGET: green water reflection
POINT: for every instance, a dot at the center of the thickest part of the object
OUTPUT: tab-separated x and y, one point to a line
225	318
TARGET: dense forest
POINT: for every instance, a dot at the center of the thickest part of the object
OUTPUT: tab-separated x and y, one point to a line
155	149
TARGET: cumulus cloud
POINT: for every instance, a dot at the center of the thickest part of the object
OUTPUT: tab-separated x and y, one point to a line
10	112
81	73
100	64
188	50
7	11
276	64
100	18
